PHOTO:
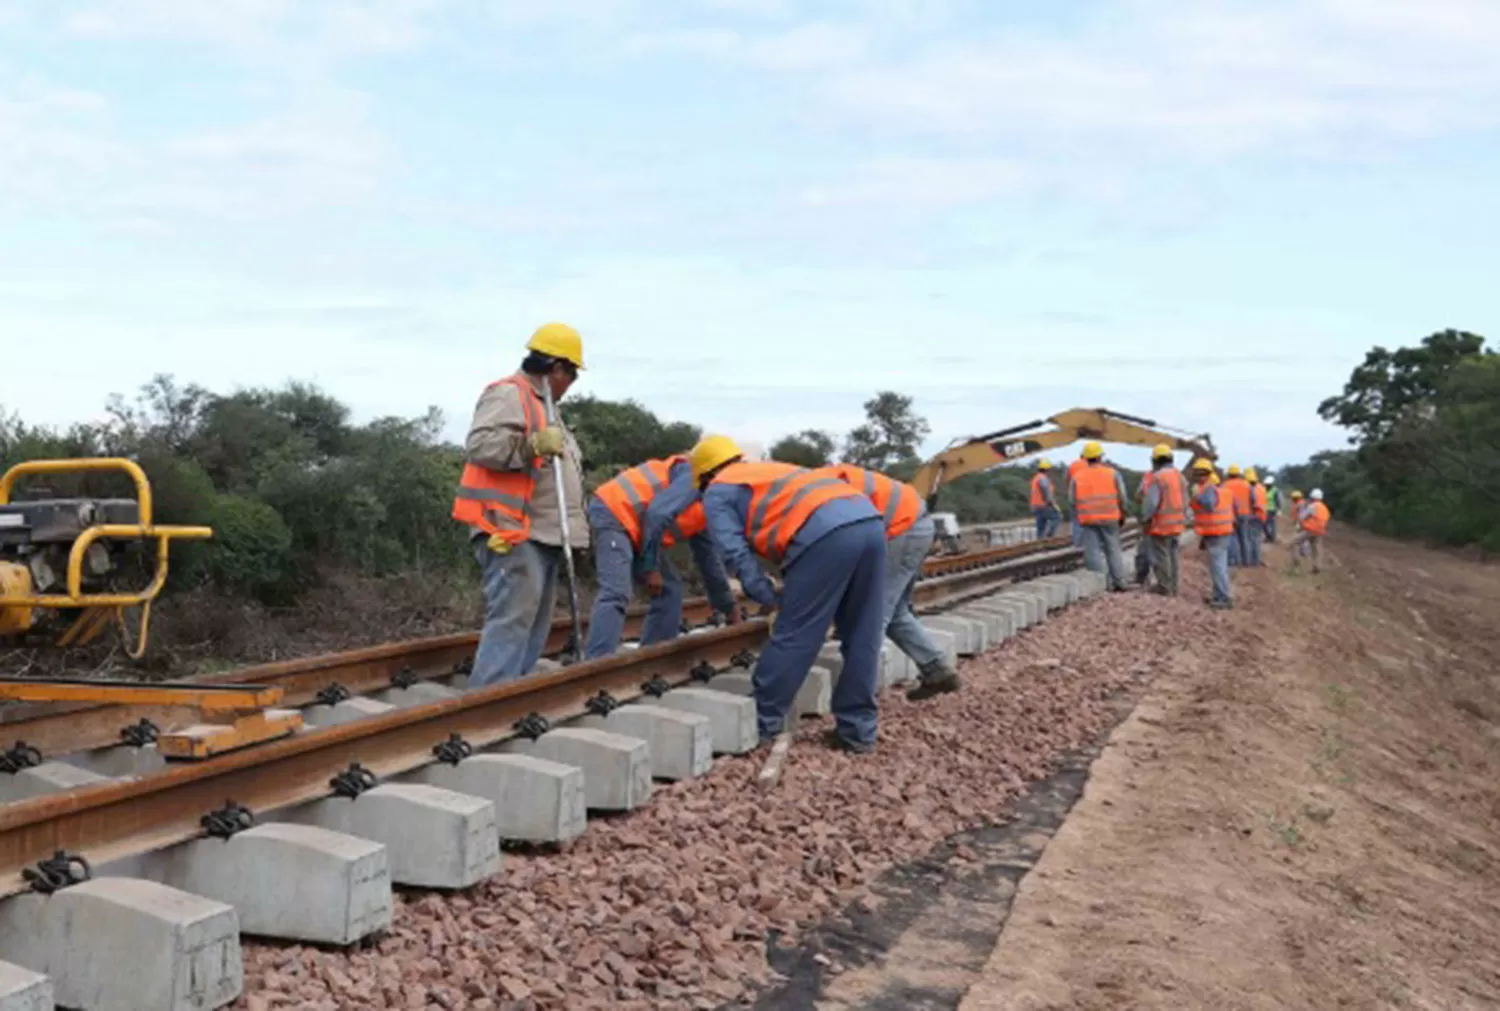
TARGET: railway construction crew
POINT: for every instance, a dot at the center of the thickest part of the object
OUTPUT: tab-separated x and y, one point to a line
634	517
830	544
1257	526
1098	496
1313	521
1239	496
1213	521
909	532
1075	529
508	497
1044	501
1164	515
1299	505
1273	506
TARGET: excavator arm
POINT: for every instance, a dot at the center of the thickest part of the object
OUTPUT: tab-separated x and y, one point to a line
1012	444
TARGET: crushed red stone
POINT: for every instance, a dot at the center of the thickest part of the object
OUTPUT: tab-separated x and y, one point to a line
673	906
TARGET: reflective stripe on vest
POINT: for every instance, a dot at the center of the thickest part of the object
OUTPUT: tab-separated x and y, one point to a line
782	497
499	501
1038	498
1218	522
1315	519
629	494
899	504
1170	518
1096	495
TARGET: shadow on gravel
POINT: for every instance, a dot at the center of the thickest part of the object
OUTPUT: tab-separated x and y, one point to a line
933	922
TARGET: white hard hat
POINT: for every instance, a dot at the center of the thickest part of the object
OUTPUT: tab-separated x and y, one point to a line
1317	494
1270	479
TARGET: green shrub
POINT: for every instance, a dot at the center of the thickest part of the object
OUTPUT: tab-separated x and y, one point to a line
251	553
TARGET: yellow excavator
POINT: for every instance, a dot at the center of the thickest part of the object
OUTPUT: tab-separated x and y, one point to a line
966	456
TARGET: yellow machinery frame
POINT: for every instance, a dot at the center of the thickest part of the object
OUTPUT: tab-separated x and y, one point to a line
97	608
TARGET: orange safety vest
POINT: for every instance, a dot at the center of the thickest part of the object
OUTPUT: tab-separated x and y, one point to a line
1315	519
782	497
1258	501
1239	495
499	501
1096	496
1039	500
1170	518
897	501
630	493
1218	522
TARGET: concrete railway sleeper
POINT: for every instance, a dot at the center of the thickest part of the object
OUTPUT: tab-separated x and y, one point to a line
321	825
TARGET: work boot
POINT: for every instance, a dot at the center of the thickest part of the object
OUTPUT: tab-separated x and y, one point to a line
838	742
937	678
1222	605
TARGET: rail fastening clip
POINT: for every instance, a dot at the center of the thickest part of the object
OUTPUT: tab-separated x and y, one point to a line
138	735
333	694
57	872
532	726
353	781
602	704
227	821
405	678
452	751
22	756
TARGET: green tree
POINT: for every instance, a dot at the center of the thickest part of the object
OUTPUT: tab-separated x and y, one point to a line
808	448
616	434
1390	387
890	436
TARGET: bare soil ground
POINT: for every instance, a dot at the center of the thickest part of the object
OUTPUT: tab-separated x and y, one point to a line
1307	815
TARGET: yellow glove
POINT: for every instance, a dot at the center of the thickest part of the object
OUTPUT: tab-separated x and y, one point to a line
547	442
498	544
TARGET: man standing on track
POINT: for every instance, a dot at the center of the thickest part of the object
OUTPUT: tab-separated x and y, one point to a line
507	498
1098	496
634	517
909	534
1044	501
1238	490
1273	507
830	544
1213	521
1164	515
1313	520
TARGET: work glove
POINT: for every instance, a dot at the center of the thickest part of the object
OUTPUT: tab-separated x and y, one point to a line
498	545
547	442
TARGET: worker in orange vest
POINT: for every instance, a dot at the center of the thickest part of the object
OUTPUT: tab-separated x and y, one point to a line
1213	522
1075	529
1164	512
511	507
1313	520
635	517
909	532
1255	530
1238	490
1098	495
1044	501
830	544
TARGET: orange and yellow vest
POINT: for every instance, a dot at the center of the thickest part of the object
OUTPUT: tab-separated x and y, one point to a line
1315	519
782	497
1239	495
897	501
1170	518
1096	496
1218	522
499	501
1038	499
630	493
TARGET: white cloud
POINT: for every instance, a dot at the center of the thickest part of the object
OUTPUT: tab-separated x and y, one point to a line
921	183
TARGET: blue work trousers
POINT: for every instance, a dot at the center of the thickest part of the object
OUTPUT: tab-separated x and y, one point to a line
838	579
1101	552
903	564
1218	565
1239	541
1271	527
520	589
1254	530
1075	532
614	558
1047	520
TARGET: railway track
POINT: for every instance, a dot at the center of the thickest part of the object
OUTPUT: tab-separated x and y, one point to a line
559	742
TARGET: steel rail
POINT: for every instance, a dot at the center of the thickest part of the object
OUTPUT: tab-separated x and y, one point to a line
115	820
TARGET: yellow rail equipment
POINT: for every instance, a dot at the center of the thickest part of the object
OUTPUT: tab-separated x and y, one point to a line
34	533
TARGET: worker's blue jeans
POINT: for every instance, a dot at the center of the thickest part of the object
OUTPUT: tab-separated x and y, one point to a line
903	564
1046	522
520	588
1254	530
1271	527
1239	541
1101	552
1075	532
838	579
1218	565
614	558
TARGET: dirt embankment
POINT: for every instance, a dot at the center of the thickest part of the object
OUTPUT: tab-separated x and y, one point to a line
1306	816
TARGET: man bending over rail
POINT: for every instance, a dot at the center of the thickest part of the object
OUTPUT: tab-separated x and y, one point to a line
830	544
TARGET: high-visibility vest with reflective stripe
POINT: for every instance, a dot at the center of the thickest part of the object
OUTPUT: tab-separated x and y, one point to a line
1315	519
1170	518
1038	497
1096	495
898	502
1216	522
499	501
1239	495
631	492
1258	501
782	497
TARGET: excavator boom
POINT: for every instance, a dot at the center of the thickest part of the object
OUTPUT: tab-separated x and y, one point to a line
1012	444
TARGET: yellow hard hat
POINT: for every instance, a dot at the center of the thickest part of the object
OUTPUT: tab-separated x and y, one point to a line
1161	452
1203	464
1044	464
1092	451
1250	474
558	340
1234	470
1296	494
711	452
1214	478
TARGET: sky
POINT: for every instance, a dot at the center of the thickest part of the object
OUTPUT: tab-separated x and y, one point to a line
757	212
